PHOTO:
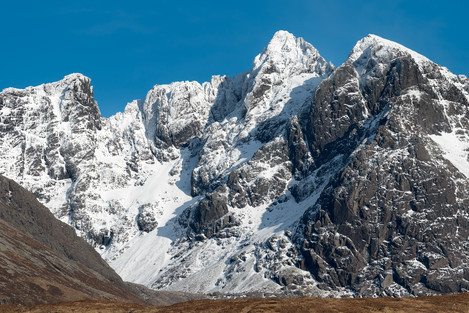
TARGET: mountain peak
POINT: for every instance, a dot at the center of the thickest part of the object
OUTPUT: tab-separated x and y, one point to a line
290	53
284	43
281	38
378	47
76	76
76	79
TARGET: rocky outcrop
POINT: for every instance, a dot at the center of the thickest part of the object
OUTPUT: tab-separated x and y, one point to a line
174	114
395	201
208	217
146	220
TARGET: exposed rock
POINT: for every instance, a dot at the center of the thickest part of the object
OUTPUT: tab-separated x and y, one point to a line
146	220
394	202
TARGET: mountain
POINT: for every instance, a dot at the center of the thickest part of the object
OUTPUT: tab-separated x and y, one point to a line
294	177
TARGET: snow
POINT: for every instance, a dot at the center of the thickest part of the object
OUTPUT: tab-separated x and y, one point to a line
285	50
414	94
375	46
147	253
455	149
151	256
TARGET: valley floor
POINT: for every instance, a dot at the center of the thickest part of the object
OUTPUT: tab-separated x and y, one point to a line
450	303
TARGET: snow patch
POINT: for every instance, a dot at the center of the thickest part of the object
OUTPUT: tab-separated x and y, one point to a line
455	149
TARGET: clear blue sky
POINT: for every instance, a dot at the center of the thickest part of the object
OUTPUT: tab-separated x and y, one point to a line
126	47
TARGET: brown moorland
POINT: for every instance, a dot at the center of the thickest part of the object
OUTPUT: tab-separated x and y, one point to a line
450	303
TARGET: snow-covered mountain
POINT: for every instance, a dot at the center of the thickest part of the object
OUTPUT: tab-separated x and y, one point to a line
292	177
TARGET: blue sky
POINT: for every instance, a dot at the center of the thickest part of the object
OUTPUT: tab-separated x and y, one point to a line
126	47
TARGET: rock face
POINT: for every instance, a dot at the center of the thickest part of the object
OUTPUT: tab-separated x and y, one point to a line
396	202
292	177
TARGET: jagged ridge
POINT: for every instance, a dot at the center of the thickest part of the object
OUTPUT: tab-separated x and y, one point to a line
292	177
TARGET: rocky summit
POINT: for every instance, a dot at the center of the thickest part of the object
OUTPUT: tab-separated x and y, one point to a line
294	177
